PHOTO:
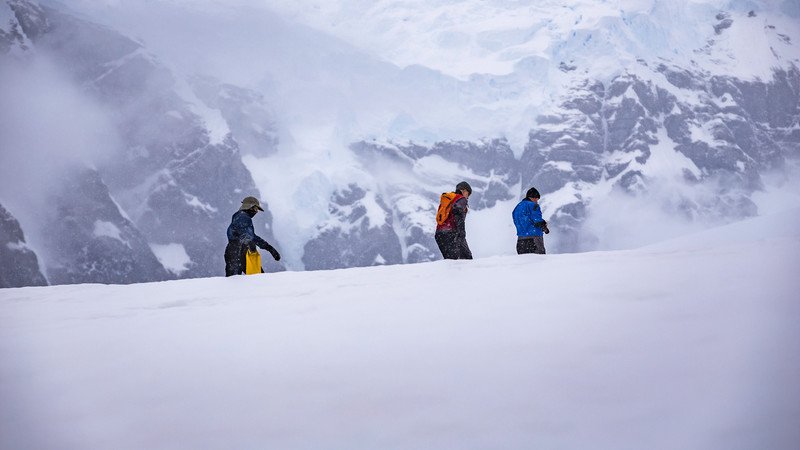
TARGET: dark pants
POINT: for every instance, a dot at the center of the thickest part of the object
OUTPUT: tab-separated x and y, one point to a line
234	258
452	245
533	244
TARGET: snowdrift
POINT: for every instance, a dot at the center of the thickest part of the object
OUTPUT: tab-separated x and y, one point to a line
691	343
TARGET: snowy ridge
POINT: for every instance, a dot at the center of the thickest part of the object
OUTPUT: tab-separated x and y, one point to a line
691	344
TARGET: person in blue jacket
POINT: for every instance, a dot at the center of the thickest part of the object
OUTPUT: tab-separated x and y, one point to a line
531	227
242	236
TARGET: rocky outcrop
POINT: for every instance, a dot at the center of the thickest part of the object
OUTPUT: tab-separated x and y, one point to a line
12	38
20	266
90	241
245	111
360	233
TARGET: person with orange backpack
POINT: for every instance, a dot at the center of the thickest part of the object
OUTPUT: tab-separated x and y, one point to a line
451	234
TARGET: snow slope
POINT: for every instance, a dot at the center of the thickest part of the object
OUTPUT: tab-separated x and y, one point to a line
690	344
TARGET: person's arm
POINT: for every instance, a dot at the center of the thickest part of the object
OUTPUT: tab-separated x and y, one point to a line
536	218
459	212
536	215
249	238
254	240
265	245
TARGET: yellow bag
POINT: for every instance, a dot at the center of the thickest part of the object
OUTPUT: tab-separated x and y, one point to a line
252	262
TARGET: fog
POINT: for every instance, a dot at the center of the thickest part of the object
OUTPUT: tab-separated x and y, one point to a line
48	129
624	221
311	79
317	82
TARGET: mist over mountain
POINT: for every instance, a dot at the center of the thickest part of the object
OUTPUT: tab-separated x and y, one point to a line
131	132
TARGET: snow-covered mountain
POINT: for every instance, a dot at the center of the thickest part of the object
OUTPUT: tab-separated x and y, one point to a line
687	344
637	120
151	203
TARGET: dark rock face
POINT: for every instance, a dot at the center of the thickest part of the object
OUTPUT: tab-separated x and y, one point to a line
12	38
724	23
245	111
20	266
360	233
89	240
492	164
86	238
766	115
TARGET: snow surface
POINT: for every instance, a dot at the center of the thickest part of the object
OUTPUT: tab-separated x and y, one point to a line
103	228
195	202
172	256
689	344
17	246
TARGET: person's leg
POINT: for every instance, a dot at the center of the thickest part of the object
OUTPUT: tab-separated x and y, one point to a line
539	244
463	249
447	244
232	264
242	260
525	246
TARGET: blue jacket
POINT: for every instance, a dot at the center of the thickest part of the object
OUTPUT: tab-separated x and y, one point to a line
527	217
241	231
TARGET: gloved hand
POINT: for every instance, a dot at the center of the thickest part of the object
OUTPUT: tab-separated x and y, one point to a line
252	248
275	254
545	229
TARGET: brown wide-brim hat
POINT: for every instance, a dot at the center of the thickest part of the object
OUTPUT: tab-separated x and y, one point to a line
250	202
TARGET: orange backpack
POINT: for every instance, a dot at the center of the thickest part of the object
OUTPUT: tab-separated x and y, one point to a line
445	206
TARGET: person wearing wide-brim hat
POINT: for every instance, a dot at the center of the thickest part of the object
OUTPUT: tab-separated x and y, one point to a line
242	236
